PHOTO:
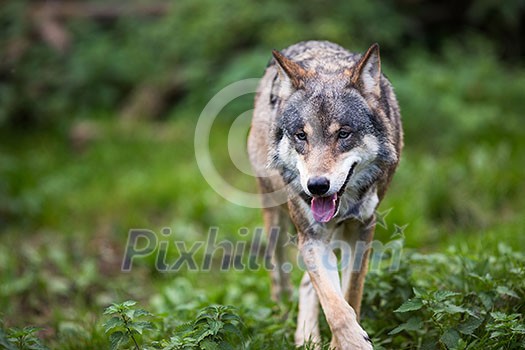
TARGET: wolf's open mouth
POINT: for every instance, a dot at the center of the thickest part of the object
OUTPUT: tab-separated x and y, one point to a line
325	208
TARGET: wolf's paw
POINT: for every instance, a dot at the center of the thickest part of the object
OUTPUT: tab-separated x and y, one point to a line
359	340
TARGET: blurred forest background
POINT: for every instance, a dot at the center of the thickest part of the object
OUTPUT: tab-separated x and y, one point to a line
98	105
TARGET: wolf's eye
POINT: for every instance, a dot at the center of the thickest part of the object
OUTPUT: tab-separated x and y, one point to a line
301	135
343	134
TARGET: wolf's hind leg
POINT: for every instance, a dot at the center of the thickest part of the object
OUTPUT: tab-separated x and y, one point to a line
275	224
359	235
308	317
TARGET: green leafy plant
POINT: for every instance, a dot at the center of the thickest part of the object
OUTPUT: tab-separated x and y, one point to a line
215	327
21	339
127	324
506	328
459	302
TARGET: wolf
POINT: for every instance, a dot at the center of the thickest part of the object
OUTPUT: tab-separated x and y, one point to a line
325	140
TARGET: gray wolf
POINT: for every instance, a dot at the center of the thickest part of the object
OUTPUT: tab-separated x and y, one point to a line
326	128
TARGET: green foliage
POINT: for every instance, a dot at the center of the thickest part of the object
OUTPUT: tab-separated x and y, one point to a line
190	44
451	300
215	327
197	45
21	339
441	300
126	325
457	302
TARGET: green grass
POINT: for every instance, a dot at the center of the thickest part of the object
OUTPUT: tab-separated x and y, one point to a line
66	216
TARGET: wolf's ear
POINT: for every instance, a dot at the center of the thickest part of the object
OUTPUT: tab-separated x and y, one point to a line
366	74
290	71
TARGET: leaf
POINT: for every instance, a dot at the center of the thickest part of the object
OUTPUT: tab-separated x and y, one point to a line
441	295
15	332
450	338
112	309
418	292
112	323
410	305
141	312
497	334
202	333
518	329
486	300
413	324
34	344
117	338
4	342
504	290
30	330
208	344
452	309
499	316
231	329
129	303
141	326
216	326
231	317
184	327
227	346
470	325
129	313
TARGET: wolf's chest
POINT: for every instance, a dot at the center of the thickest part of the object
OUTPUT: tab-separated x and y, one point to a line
361	209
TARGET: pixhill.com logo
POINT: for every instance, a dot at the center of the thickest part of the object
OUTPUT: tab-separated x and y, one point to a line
253	251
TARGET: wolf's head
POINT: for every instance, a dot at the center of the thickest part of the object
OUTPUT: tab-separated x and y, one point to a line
331	136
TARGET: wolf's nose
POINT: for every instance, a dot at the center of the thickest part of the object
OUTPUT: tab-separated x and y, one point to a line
318	185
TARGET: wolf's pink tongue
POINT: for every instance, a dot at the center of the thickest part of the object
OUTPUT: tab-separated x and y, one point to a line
323	208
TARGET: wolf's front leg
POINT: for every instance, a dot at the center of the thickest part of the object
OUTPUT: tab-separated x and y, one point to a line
321	264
